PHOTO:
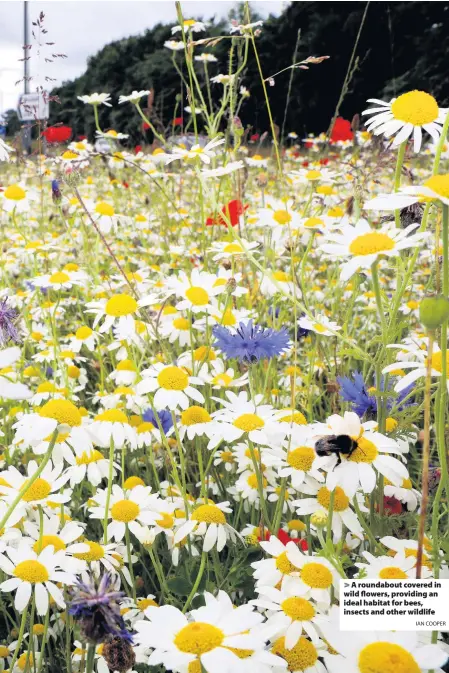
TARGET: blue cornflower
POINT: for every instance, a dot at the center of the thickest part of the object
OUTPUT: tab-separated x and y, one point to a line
355	391
95	606
165	419
250	344
55	191
8	319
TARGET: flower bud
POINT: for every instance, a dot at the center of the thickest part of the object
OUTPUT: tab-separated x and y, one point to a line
319	519
434	311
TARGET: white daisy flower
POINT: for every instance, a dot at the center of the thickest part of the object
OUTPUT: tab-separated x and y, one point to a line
360	246
210	635
398	567
172	385
320	324
96	99
317	575
406	116
418	364
39	573
369	453
208	521
126	508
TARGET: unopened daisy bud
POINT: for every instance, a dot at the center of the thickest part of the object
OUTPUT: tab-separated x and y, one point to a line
411	215
434	311
119	654
355	123
319	519
262	179
231	285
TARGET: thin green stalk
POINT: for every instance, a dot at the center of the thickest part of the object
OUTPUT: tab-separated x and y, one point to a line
397	179
28	484
197	581
108	493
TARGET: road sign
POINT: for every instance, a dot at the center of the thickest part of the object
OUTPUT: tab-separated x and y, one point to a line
33	106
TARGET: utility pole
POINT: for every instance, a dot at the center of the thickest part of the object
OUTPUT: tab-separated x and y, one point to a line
26	131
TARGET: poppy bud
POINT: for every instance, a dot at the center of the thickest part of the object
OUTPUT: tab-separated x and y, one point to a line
434	311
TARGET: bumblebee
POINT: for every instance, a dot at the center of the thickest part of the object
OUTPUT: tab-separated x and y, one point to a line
336	444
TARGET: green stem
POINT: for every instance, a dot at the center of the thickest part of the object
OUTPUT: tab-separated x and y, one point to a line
28	484
197	582
90	660
397	179
108	494
20	638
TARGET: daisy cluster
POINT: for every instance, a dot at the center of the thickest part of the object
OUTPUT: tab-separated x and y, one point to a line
214	378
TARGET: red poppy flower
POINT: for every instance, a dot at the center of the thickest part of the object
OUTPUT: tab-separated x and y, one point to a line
305	164
231	212
254	138
284	537
57	134
178	121
82	137
137	149
392	505
324	162
341	130
145	126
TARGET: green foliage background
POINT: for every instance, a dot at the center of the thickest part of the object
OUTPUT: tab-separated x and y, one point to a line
403	45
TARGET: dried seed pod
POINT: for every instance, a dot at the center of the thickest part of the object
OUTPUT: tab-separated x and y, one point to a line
119	654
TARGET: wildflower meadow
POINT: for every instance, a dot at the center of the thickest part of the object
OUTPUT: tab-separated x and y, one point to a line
224	381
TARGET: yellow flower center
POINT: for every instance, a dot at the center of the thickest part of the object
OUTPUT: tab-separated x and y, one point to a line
126	366
103	208
415	107
112	416
341	500
301	458
313	175
4	651
173	378
319	328
313	223
371	244
166	520
384	657
412	304
62	411
26	660
391	424
253	483
144	603
296	524
232	248
132	482
208	514
59	277
194	415
437	362
241	654
14	193
303	655
181	323
88	458
316	576
366	451
198	638
282	216
222	380
144	427
281	276
95	553
83	333
121	304
38	629
48	540
227	457
125	510
31	571
298	608
294	417
39	490
249	422
194	666
439	184
204	353
47	387
325	189
285	566
197	296
392	573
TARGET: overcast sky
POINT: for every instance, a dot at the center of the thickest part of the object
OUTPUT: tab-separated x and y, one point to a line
80	28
